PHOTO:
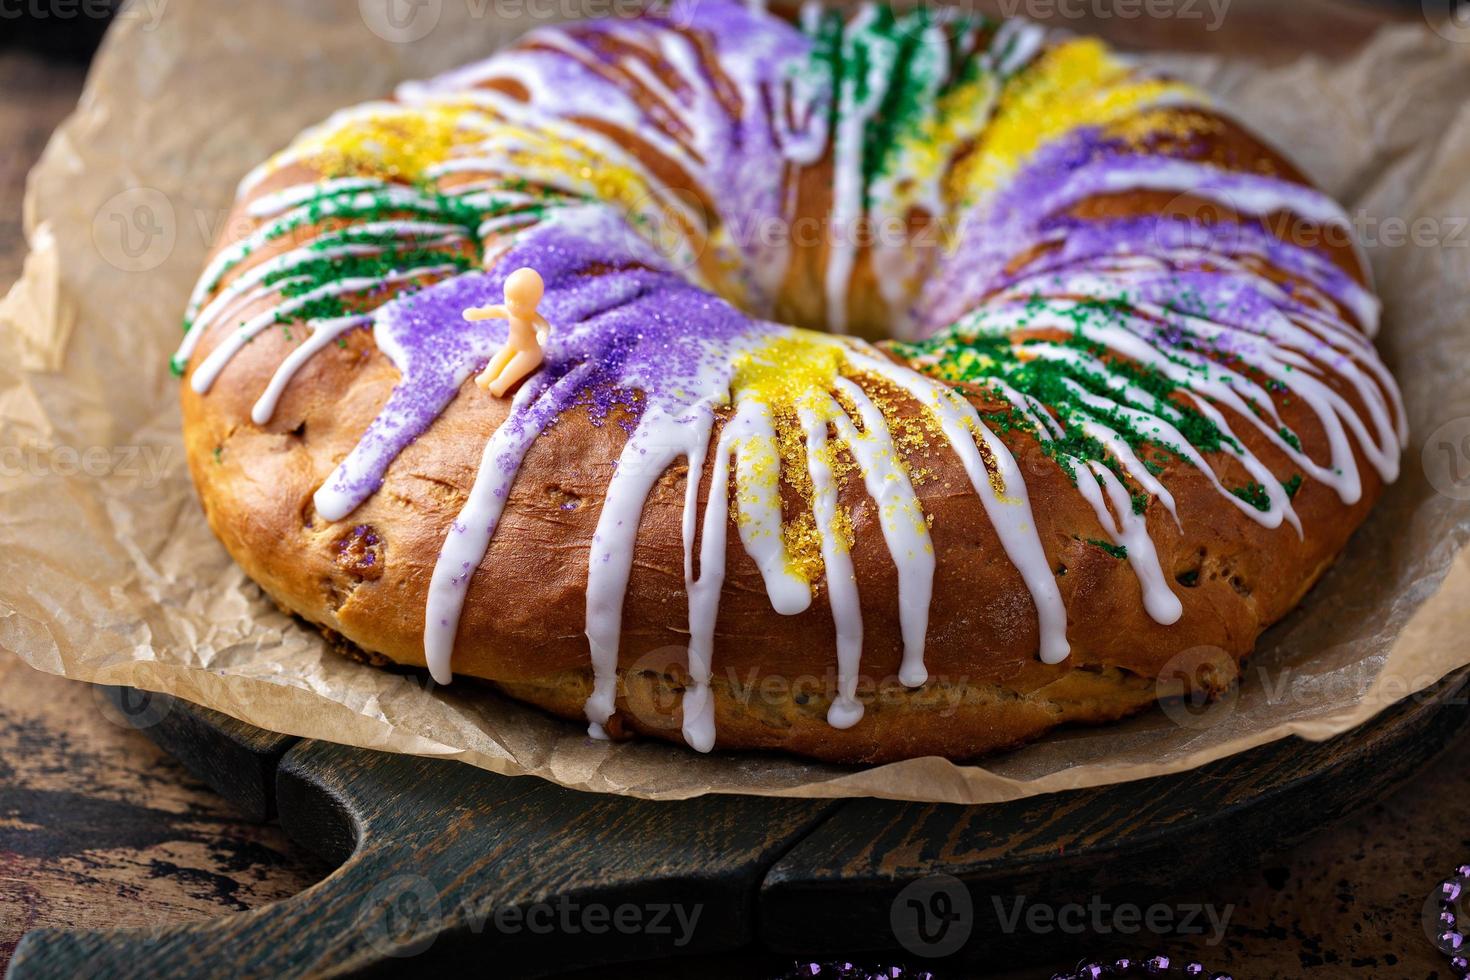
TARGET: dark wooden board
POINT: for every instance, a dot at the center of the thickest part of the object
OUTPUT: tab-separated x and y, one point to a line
238	760
839	891
430	851
459	868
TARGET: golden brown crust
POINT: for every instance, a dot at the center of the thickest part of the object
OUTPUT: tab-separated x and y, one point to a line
366	577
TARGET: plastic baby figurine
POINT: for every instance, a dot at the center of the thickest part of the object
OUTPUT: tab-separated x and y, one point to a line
522	352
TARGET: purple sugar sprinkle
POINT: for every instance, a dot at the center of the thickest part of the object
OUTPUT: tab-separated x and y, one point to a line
637	325
1028	212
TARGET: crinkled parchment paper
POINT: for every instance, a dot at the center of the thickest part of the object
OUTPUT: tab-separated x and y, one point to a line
109	574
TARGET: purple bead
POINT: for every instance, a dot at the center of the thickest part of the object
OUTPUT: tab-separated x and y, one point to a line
1450	940
1449	891
1460	965
1222	976
1463	871
1122	966
1448	919
1091	971
1194	969
1156	965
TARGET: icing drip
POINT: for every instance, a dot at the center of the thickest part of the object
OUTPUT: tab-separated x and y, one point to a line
842	594
866	61
1002	489
905	529
751	437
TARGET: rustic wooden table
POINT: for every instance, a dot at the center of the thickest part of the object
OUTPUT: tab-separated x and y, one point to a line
99	828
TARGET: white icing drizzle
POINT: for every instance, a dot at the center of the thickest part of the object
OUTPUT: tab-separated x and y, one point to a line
301	147
1130	531
1244	193
914	181
842	595
1128	335
853	116
323	332
387	195
660	440
750	438
1008	505
704	592
905	529
469	536
287	198
757	467
209	369
246	289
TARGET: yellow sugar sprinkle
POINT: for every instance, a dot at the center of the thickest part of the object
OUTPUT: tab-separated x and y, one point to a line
1140	129
785	372
1075	84
542	158
393	143
958	116
563	163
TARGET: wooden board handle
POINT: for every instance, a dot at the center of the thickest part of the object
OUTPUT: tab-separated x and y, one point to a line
456	867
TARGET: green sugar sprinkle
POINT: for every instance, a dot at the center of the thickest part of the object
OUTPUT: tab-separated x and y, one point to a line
1254	494
420	203
319	272
1293	485
1116	550
969	352
893	68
